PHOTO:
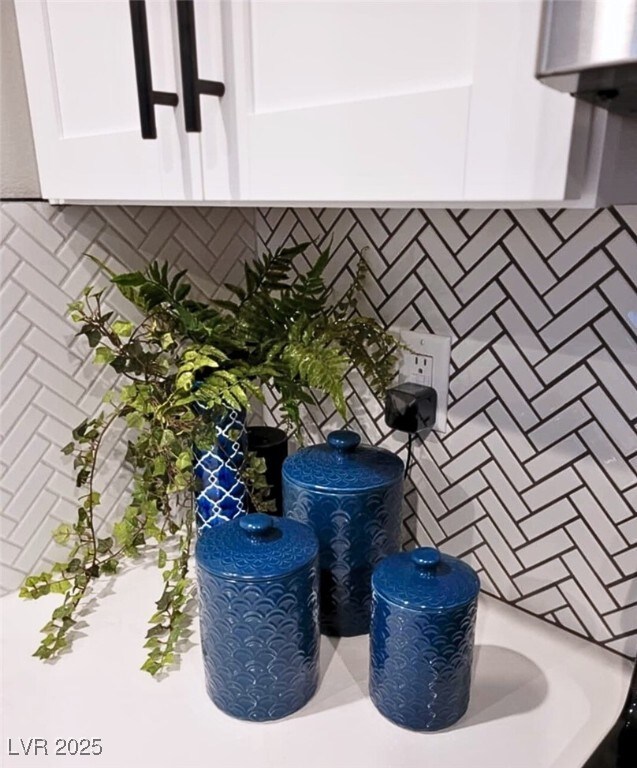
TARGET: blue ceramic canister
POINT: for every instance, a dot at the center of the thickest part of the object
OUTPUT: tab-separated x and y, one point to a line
422	634
258	601
351	495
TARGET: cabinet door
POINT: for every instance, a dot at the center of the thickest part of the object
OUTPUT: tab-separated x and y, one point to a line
80	71
522	142
351	100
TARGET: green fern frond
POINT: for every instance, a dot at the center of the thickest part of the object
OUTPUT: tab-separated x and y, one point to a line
320	367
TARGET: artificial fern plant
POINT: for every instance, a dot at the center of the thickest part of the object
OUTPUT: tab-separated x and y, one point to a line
280	330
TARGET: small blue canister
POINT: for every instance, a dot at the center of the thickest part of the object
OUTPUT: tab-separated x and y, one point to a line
422	633
258	600
351	495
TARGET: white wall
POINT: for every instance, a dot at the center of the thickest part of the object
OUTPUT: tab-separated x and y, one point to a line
18	169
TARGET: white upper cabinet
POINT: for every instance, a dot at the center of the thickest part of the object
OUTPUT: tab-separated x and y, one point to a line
297	101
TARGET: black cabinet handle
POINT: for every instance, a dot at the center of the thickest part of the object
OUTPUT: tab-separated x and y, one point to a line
192	86
147	97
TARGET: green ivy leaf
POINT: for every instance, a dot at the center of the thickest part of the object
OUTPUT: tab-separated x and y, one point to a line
184	460
104	545
123	328
60	587
122	530
62	533
135	420
93	335
163	602
91	501
109	566
167	341
61	611
159	466
156	630
80	430
151	666
103	356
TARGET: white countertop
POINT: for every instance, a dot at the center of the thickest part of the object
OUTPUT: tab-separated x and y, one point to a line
541	698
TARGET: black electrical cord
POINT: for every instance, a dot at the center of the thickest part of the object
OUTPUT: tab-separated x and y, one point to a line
410	449
410	455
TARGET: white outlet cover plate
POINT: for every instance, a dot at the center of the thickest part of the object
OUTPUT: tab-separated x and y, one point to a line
427	365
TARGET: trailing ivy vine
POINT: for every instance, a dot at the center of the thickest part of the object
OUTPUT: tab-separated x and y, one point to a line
280	329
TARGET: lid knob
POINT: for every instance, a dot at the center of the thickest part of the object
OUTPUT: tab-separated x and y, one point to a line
257	525
426	559
343	440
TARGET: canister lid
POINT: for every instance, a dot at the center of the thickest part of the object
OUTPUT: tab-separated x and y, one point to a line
425	579
255	547
343	464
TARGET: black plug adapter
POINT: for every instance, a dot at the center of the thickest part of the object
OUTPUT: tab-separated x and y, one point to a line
411	407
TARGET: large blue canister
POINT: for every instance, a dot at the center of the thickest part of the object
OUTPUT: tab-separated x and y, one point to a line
422	635
351	495
258	601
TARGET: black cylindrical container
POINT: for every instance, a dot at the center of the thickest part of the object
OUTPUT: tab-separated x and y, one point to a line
271	444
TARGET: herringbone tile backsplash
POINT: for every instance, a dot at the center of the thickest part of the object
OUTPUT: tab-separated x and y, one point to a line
47	381
535	481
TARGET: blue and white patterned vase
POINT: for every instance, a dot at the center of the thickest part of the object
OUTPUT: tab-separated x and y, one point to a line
221	495
421	640
258	600
351	495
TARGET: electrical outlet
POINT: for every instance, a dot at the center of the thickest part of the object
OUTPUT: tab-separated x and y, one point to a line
427	364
